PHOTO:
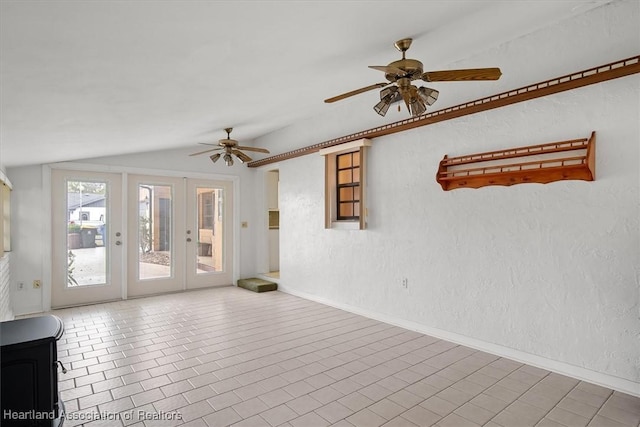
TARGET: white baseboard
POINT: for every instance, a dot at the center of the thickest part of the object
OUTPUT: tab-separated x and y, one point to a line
615	383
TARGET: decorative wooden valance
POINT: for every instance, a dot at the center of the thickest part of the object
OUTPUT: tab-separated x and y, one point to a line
556	161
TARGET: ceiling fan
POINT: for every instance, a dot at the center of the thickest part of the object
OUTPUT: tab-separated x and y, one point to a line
402	72
228	147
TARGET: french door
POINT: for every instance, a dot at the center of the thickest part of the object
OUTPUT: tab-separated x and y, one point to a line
209	237
179	234
87	237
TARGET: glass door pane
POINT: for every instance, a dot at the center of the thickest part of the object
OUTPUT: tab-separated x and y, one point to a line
210	212
154	231
87	236
87	203
209	254
155	248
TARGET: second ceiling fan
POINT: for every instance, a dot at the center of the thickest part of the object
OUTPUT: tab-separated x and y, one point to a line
400	75
229	147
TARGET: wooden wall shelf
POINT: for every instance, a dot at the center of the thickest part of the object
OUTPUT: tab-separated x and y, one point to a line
556	161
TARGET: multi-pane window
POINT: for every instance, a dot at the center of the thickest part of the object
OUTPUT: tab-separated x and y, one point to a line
345	185
348	185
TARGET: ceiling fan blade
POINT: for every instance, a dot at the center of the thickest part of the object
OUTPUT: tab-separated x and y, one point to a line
205	151
259	150
461	75
243	157
208	143
388	70
356	92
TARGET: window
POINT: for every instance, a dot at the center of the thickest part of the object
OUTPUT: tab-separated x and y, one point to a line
345	185
348	185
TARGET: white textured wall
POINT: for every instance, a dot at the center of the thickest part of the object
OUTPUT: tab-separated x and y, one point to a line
546	270
27	234
6	311
550	270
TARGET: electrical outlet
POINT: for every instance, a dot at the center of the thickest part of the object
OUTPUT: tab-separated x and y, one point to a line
37	283
405	283
20	286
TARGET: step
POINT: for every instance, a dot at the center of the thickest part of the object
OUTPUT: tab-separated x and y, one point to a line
257	285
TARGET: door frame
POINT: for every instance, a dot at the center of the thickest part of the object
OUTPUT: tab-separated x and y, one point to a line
47	239
262	236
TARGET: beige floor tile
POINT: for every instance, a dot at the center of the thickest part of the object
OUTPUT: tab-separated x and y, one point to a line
600	421
275	397
455	396
334	412
567	418
439	406
222	418
540	400
474	413
577	407
249	408
94	399
610	411
502	393
171	403
355	401
326	395
303	404
454	420
366	418
546	422
309	420
387	409
625	402
421	416
279	415
196	410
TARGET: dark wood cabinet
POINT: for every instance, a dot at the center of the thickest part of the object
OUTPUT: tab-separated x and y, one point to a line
29	376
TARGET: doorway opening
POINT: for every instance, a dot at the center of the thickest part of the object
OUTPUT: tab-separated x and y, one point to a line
273	233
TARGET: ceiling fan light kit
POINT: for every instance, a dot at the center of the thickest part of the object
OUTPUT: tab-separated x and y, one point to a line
402	72
229	148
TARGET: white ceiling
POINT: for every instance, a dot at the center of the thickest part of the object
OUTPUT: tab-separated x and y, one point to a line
83	79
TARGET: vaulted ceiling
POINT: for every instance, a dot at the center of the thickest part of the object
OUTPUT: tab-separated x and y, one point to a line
83	79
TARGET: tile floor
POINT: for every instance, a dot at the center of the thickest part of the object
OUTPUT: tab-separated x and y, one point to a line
228	356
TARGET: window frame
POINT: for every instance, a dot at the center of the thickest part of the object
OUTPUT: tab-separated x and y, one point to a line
332	219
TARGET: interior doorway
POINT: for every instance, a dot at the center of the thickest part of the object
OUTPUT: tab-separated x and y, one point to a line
273	233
